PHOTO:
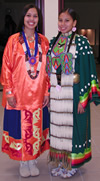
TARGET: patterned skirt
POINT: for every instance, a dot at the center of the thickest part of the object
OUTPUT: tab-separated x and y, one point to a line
25	137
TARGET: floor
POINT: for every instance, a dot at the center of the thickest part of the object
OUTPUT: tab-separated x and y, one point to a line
9	169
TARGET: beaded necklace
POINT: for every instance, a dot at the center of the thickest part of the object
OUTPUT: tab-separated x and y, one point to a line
31	60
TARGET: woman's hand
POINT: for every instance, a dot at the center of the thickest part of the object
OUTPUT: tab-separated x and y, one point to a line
46	101
12	101
80	108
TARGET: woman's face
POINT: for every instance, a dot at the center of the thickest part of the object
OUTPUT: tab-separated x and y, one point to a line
65	22
31	19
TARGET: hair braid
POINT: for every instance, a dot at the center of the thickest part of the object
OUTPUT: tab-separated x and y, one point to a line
71	39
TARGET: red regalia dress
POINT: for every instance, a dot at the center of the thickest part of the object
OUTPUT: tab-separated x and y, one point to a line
23	135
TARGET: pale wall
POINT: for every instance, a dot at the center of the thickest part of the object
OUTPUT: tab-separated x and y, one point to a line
51	18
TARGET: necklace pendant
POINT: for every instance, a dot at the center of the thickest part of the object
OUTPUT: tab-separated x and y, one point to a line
32	60
58	88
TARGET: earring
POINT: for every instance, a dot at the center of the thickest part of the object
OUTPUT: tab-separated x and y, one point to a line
74	29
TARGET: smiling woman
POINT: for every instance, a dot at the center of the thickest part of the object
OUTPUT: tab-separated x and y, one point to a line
65	22
73	86
25	93
31	21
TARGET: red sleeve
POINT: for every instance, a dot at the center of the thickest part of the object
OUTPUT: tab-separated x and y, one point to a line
7	67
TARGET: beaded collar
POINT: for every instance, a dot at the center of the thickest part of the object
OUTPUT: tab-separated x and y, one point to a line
67	34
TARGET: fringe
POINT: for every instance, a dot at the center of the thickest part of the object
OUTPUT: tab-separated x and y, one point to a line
60	157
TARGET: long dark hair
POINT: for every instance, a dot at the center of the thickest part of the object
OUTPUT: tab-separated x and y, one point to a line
74	16
21	22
